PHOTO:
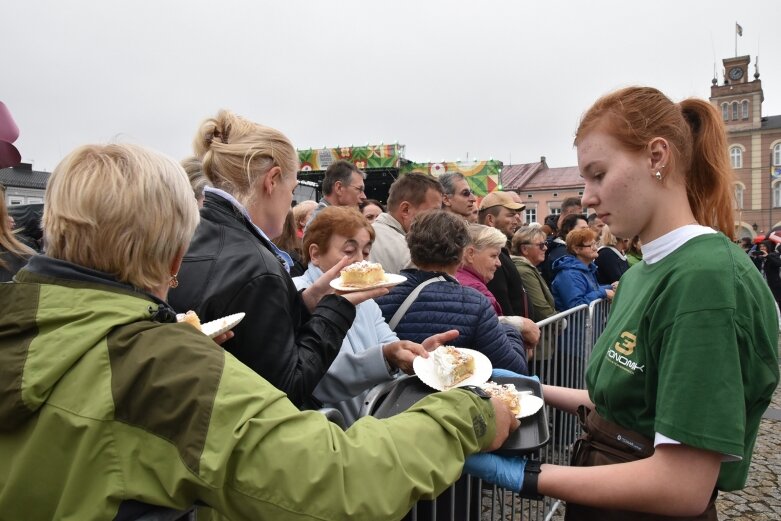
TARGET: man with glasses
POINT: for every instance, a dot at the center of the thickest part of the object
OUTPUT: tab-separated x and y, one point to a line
457	197
343	185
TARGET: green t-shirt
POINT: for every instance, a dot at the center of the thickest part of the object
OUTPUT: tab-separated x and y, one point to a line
690	351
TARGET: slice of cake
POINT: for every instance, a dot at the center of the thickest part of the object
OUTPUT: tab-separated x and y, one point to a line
452	366
505	392
191	318
363	273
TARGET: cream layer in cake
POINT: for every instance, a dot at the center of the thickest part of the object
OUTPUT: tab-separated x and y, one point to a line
363	273
452	365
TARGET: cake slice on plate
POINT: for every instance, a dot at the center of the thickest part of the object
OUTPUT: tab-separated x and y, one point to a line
452	366
363	273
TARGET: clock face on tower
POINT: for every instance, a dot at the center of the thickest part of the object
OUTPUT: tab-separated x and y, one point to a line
735	73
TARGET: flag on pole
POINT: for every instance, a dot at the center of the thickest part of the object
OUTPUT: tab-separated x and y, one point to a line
738	29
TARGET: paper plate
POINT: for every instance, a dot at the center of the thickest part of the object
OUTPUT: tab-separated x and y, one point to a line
530	404
391	279
424	368
221	325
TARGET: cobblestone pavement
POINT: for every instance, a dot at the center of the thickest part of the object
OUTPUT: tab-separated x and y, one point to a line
761	499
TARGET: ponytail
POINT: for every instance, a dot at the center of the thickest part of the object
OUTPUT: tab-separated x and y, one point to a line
710	177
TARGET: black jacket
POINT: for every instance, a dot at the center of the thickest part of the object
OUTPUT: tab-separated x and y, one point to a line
230	268
555	251
610	266
507	287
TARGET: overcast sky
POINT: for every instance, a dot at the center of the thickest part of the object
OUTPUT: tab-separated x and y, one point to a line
501	79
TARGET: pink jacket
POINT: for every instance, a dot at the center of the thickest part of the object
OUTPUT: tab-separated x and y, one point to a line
469	278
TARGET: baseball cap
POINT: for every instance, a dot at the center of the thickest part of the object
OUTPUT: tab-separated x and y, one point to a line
500	199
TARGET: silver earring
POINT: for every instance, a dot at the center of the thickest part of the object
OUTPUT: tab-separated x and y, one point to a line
658	175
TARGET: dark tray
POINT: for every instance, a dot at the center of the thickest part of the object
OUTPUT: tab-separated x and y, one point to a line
530	436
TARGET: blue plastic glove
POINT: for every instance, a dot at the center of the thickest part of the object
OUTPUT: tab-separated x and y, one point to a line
504	471
504	373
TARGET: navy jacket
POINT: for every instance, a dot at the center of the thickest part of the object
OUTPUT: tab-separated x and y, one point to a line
442	306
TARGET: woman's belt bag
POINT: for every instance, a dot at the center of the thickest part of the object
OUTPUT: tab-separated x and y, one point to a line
605	443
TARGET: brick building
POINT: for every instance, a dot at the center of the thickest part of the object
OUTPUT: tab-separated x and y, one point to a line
754	146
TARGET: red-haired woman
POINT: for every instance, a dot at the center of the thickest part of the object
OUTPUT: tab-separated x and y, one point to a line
687	364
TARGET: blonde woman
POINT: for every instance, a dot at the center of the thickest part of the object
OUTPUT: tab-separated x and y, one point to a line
13	254
611	258
481	260
289	338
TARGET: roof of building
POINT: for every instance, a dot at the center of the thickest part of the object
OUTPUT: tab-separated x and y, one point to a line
555	178
770	122
515	177
23	176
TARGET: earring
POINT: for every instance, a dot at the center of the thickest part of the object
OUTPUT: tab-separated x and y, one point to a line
174	282
658	175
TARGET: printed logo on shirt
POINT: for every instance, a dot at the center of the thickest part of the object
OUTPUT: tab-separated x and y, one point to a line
621	351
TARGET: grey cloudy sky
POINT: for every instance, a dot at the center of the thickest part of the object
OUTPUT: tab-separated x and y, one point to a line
501	79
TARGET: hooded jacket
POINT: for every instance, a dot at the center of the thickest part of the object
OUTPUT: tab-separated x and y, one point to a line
107	403
575	283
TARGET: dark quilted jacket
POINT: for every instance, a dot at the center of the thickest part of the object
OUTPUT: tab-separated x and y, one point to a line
442	306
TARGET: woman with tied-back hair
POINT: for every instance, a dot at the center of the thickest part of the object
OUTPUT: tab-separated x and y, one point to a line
687	364
195	174
13	254
611	260
289	338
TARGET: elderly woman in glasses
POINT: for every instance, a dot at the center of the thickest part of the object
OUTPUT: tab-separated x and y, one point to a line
575	274
527	250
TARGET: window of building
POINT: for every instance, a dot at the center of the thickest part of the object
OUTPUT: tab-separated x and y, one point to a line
531	215
777	155
745	109
725	111
777	193
734	110
736	157
739	196
14	200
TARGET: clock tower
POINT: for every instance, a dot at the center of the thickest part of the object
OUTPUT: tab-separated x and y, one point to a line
739	98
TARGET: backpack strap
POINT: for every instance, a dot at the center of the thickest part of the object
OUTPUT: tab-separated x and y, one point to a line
412	297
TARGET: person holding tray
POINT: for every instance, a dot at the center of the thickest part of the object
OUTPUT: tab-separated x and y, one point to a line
687	364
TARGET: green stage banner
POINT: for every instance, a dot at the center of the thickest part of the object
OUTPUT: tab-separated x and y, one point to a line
365	158
482	176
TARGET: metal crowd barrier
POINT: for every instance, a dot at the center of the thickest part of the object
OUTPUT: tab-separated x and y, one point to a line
566	341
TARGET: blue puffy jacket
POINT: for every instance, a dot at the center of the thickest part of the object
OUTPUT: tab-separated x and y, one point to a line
446	305
575	283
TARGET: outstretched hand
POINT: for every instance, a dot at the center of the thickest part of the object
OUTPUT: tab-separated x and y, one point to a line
504	471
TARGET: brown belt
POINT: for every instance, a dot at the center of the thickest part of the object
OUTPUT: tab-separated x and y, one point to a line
605	443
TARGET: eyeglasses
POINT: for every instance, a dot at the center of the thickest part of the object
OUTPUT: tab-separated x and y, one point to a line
592	245
540	245
359	188
465	192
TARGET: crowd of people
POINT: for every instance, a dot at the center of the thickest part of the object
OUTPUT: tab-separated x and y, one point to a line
106	392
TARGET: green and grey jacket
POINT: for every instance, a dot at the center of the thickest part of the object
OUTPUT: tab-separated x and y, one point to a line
104	403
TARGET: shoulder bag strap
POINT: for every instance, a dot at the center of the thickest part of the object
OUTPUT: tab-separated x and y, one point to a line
399	314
